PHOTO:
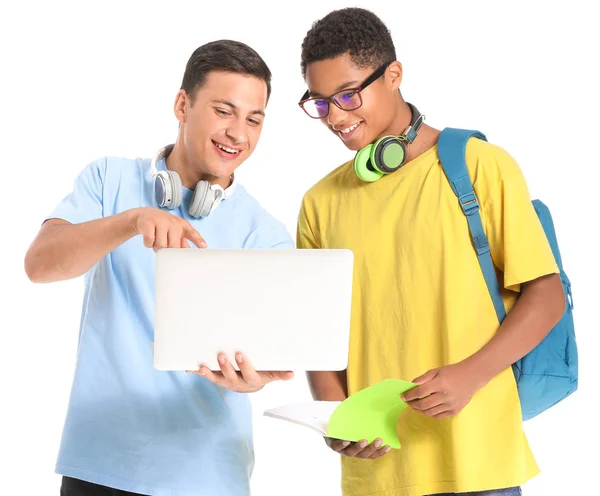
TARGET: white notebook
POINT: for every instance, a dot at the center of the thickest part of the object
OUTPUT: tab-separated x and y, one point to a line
312	414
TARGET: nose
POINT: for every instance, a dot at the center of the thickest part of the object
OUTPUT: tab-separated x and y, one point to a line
237	131
336	116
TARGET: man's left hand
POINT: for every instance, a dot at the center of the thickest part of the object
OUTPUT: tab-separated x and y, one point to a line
247	380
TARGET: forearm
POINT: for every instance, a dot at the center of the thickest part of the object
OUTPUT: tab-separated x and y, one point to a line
538	309
64	251
328	386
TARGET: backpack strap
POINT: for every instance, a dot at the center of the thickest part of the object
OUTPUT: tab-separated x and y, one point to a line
452	146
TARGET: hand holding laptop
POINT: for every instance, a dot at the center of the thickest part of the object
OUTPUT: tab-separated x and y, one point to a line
247	380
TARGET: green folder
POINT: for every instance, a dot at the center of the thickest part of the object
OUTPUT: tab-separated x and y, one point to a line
371	413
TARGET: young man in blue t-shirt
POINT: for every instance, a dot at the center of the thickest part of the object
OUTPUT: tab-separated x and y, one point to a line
130	428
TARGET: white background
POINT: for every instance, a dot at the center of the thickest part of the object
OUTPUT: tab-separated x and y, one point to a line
88	79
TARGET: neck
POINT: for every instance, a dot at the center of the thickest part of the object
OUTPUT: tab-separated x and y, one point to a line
426	136
191	174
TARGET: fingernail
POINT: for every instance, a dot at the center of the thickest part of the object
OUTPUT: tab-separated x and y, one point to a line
222	360
378	443
387	449
363	444
203	245
203	372
239	358
346	444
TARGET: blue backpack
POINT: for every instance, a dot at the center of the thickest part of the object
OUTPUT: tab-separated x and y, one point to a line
549	373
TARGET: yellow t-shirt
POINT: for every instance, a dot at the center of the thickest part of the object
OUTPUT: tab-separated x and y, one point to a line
420	302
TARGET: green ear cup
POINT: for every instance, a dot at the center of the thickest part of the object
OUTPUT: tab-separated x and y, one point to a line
387	154
362	165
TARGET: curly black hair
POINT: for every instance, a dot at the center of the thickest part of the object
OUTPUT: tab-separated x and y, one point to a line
356	31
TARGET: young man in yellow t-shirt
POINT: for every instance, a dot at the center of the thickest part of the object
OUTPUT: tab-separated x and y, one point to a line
421	308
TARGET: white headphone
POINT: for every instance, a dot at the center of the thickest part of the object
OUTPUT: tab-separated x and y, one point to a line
168	189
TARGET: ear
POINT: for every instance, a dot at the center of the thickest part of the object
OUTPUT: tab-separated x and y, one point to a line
181	106
394	75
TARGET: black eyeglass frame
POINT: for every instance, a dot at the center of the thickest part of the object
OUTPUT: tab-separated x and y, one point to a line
371	79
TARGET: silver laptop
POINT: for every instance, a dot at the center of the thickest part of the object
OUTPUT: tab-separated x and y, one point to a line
285	309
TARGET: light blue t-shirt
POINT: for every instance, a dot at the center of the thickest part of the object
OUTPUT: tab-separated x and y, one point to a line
129	426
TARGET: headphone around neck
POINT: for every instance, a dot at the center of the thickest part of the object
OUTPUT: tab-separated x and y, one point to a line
387	154
168	190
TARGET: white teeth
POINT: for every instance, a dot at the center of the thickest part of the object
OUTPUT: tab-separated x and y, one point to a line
351	128
227	149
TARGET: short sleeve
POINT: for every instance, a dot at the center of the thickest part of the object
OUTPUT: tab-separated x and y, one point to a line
518	243
279	238
305	238
85	202
269	234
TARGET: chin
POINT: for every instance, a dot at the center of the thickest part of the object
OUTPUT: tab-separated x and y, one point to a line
359	145
222	172
356	145
357	142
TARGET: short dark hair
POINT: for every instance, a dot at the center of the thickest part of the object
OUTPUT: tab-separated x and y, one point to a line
355	31
224	56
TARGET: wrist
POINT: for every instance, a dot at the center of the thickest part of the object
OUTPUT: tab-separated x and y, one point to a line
128	220
479	368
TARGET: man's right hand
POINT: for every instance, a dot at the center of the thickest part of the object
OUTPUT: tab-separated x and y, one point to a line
160	229
361	449
62	250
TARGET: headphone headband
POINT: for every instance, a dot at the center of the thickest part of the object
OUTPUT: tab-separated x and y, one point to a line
164	152
416	120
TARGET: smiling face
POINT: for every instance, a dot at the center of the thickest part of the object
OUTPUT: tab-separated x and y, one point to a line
378	114
221	124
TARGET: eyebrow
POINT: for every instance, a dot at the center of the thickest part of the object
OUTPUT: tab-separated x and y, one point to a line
341	87
229	104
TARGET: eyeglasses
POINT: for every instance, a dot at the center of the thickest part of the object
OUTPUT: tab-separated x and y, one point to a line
348	99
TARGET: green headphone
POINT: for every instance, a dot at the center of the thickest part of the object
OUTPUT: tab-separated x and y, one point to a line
387	154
